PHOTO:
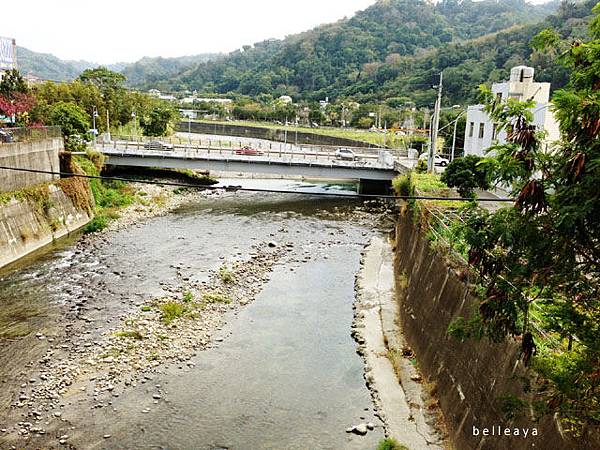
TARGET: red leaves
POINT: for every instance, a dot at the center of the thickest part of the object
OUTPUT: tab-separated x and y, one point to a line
523	134
577	167
18	104
591	126
532	197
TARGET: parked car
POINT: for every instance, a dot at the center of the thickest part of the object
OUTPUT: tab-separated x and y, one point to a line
438	160
346	154
248	151
5	136
158	145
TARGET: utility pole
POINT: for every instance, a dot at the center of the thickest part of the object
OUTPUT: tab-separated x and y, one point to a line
94	115
454	135
134	116
436	124
107	124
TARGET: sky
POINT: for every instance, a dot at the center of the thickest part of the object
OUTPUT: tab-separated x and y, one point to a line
109	31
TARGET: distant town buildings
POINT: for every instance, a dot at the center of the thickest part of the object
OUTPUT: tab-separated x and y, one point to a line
8	55
481	133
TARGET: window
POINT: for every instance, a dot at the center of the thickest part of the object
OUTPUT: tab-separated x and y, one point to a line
471	129
495	131
481	130
499	97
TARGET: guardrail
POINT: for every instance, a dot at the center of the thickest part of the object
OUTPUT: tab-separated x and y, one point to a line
28	134
233	144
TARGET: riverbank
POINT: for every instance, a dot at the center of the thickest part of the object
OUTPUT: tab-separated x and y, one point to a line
407	410
107	347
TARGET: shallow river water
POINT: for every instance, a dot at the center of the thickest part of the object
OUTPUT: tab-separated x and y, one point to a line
286	374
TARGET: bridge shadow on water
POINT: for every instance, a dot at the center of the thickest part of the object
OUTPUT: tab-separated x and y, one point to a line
300	203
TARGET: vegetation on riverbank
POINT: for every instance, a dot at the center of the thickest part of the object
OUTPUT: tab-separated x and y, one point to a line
109	196
534	264
390	444
378	138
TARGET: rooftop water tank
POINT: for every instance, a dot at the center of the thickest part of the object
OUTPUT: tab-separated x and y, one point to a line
522	74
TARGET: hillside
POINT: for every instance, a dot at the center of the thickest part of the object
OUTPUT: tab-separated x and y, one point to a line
329	59
49	67
153	70
470	63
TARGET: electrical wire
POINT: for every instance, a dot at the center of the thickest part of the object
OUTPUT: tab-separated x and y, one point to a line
239	188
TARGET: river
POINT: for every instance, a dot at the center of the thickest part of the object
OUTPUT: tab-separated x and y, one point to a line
283	372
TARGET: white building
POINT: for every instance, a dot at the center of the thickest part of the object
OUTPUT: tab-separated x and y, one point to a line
481	133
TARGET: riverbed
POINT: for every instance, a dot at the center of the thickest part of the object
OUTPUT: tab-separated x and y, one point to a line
279	372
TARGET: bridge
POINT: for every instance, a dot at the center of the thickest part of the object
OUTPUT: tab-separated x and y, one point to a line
373	169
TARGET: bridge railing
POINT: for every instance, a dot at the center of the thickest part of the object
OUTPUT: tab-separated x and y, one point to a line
230	145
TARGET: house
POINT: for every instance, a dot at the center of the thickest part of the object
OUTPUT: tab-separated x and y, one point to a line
481	133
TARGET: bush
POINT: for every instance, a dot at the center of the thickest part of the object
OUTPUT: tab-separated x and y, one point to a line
467	174
403	185
171	311
98	223
421	166
390	444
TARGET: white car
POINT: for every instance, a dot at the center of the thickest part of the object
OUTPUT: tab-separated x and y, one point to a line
346	154
438	160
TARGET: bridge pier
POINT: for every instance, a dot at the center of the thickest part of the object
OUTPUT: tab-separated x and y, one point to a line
374	187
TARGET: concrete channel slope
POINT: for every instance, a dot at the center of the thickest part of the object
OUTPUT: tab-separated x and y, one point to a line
397	392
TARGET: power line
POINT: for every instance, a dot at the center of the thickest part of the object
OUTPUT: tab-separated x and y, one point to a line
239	188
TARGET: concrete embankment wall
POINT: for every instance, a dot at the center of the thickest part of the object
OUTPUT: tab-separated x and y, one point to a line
35	217
270	134
472	377
38	155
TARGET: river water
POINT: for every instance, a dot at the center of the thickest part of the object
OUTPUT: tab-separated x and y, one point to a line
286	374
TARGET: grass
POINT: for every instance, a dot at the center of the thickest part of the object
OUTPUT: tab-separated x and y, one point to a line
98	223
188	297
226	275
130	334
366	136
109	196
171	311
216	298
390	444
430	183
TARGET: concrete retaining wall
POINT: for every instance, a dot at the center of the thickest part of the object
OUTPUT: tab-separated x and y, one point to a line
38	155
27	225
270	134
470	377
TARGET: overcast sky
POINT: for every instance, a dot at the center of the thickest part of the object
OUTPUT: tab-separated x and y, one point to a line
108	31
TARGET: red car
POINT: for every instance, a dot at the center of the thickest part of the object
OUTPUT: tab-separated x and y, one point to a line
248	151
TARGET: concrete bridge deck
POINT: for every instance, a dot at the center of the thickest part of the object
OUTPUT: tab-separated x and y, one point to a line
311	164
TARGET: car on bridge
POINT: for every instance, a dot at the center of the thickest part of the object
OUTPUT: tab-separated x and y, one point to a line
248	151
439	160
345	154
158	145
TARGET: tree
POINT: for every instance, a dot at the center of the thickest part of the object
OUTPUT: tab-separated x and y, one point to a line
73	121
15	98
467	174
12	83
546	249
104	79
158	121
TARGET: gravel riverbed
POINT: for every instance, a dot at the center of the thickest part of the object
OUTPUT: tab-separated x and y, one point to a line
94	354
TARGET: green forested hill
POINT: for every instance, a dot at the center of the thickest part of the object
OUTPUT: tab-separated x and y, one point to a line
357	55
467	64
49	67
